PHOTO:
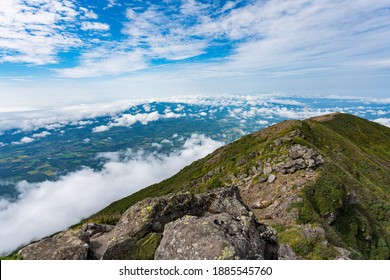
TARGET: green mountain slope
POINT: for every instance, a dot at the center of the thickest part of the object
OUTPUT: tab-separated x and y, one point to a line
323	184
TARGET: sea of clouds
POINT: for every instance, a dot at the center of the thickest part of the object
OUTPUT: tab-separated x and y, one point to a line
47	207
277	105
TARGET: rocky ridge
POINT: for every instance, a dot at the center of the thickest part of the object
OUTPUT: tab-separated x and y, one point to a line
313	189
213	225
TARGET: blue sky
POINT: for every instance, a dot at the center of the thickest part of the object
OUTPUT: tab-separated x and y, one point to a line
79	50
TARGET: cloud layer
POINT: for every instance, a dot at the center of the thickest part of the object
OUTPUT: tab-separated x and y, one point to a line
280	37
35	31
248	107
47	207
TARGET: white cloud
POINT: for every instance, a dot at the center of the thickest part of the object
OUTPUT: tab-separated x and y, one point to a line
106	61
286	102
86	25
166	141
111	3
56	117
157	145
146	107
34	31
41	135
151	34
274	38
383	121
289	35
100	128
179	108
24	140
88	14
127	120
228	6
48	207
82	123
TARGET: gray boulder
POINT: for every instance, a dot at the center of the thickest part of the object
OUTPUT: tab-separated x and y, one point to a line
188	222
213	237
149	215
212	225
286	253
63	246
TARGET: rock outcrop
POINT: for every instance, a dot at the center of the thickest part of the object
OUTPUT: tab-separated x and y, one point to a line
63	246
212	225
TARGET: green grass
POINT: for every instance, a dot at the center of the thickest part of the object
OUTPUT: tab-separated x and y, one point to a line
351	166
13	256
145	247
308	248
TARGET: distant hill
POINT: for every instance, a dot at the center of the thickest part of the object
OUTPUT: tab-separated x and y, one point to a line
318	189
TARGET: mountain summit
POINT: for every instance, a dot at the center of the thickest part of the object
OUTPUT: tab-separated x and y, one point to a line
312	189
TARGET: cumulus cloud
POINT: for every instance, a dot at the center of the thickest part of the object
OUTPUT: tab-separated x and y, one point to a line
43	134
47	207
24	140
100	128
127	120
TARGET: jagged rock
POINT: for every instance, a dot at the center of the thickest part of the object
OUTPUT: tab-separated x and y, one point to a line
218	236
254	170
310	163
281	170
267	170
139	219
330	217
286	253
310	232
297	151
344	254
263	179
299	163
153	214
291	170
91	229
271	178
63	246
351	198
